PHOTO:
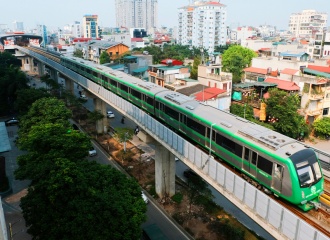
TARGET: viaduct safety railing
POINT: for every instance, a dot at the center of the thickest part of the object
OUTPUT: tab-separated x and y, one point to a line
274	218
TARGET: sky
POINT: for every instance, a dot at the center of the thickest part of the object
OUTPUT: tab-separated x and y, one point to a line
56	14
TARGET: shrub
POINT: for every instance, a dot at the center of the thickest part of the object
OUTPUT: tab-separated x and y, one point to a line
177	197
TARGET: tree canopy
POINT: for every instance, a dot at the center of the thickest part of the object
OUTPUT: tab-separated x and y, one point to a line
235	59
78	53
11	80
104	57
282	110
70	197
322	126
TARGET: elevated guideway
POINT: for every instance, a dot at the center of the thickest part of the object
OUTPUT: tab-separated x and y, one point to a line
273	217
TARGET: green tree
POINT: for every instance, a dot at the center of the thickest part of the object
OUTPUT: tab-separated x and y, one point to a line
197	189
156	52
45	143
78	53
11	80
122	135
42	111
235	59
84	200
104	57
194	70
244	111
322	126
25	98
283	109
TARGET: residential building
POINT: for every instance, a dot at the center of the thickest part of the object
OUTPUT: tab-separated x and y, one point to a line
91	27
326	44
93	49
202	25
266	31
124	38
18	26
242	33
162	74
136	13
307	23
75	29
315	96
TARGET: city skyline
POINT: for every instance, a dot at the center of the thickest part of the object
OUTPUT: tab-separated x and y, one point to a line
243	13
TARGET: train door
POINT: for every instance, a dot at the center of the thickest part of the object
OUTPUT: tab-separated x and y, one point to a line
277	177
250	158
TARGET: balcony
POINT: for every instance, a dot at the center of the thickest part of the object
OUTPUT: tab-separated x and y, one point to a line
316	96
314	112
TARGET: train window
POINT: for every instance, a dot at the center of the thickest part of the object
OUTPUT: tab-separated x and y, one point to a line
278	169
254	158
228	144
88	71
265	165
238	150
172	113
183	119
113	83
246	154
136	94
196	126
317	170
157	105
150	100
123	87
95	74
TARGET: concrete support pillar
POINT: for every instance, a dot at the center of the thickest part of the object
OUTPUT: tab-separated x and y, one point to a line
164	172
53	74
100	106
41	69
31	64
69	85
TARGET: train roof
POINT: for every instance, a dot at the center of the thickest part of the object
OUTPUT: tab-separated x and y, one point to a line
263	137
147	86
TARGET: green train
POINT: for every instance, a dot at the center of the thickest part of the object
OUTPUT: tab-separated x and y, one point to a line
276	163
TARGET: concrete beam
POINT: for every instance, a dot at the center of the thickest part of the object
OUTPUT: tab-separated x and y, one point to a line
164	172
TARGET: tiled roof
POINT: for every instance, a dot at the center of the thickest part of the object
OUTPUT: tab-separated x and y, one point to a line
283	84
289	71
319	68
209	93
256	70
136	39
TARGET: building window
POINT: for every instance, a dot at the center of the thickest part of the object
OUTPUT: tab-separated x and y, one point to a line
325	111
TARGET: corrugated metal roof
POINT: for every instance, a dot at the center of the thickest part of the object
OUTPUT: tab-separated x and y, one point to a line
140	70
316	73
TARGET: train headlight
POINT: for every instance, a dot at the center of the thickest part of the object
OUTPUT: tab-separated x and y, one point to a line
302	194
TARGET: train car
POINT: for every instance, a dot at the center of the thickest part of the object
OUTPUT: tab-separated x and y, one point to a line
269	160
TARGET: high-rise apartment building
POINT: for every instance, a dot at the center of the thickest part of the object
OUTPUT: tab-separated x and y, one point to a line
202	24
307	23
42	31
18	26
136	13
90	26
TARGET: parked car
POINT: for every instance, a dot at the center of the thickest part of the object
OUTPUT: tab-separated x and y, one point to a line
110	114
83	97
11	122
92	152
145	199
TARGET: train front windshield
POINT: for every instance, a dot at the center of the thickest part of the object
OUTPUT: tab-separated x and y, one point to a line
307	167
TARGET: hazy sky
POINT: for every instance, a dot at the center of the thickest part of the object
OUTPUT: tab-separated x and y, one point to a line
58	13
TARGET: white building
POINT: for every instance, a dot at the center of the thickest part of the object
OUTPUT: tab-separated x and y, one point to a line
90	26
326	45
266	31
136	13
307	23
202	24
18	26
